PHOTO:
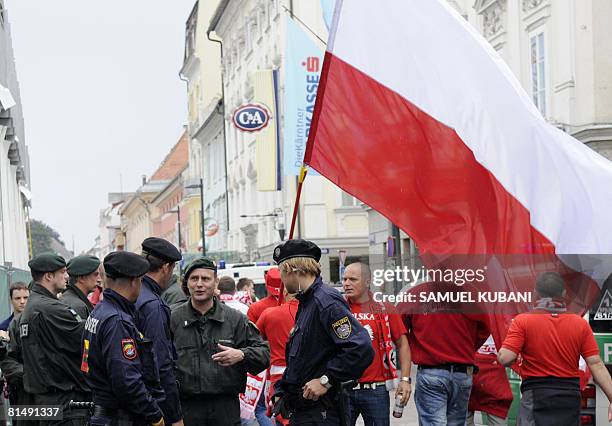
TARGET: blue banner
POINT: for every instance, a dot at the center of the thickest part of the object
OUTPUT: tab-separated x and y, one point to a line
303	63
328	11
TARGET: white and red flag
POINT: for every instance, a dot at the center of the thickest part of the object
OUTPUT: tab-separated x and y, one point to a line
418	117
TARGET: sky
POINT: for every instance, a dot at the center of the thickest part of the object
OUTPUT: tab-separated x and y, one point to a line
102	100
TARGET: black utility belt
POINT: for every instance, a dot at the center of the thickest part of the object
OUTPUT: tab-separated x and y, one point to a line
113	413
453	368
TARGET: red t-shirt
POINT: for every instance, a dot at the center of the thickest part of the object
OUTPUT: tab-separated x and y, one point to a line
363	314
445	338
274	325
551	344
257	308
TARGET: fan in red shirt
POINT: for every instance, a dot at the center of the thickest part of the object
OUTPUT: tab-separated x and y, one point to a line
551	342
273	285
275	324
370	397
443	343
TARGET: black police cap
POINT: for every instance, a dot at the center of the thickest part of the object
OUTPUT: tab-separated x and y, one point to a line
161	249
124	264
47	262
199	263
82	265
296	248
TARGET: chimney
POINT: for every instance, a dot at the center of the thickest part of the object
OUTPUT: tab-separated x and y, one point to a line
144	179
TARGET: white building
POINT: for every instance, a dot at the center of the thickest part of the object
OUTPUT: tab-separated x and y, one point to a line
110	237
14	160
202	71
253	37
560	51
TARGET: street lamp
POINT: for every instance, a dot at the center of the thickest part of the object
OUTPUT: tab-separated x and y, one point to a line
203	230
178	223
280	227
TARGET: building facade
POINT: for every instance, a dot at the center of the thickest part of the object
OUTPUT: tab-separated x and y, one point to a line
110	238
14	160
253	36
202	72
146	213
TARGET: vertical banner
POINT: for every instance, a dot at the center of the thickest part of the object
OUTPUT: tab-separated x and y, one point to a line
327	6
303	63
267	142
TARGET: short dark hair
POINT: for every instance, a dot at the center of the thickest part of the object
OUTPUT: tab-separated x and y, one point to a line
227	285
73	280
243	282
37	275
112	282
550	284
19	285
155	263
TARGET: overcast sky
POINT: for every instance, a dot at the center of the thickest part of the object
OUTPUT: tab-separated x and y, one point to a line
101	98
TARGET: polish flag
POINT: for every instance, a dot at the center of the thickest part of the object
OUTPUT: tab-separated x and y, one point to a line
418	117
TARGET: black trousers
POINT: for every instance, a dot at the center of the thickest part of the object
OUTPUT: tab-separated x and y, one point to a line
211	410
316	417
72	416
549	401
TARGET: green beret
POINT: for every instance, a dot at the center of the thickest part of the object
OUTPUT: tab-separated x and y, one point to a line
199	263
82	265
47	262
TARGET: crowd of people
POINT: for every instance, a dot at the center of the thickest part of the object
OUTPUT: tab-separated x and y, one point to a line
124	342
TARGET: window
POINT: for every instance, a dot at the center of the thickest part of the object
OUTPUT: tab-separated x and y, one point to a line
538	71
348	200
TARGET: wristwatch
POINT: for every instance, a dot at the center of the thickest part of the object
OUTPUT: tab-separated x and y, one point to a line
407	379
324	380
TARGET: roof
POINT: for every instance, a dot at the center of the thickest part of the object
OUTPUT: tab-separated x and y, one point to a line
176	160
217	16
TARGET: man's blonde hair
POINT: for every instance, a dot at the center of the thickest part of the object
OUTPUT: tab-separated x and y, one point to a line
301	265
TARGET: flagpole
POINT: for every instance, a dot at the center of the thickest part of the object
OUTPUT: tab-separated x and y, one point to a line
296	206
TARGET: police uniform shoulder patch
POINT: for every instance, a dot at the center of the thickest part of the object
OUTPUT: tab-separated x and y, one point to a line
342	328
77	316
128	347
23	331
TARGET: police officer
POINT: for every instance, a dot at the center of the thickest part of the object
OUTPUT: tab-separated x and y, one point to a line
118	361
153	319
217	347
49	342
326	347
84	278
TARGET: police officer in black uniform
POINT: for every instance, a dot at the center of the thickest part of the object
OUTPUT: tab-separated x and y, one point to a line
84	277
49	342
118	361
153	319
326	347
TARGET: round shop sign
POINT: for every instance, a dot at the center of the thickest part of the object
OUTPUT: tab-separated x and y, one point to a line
212	229
251	117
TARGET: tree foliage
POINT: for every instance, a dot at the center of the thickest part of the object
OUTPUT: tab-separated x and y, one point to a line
42	237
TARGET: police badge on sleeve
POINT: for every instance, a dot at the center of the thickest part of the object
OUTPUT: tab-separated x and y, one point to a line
128	347
342	328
